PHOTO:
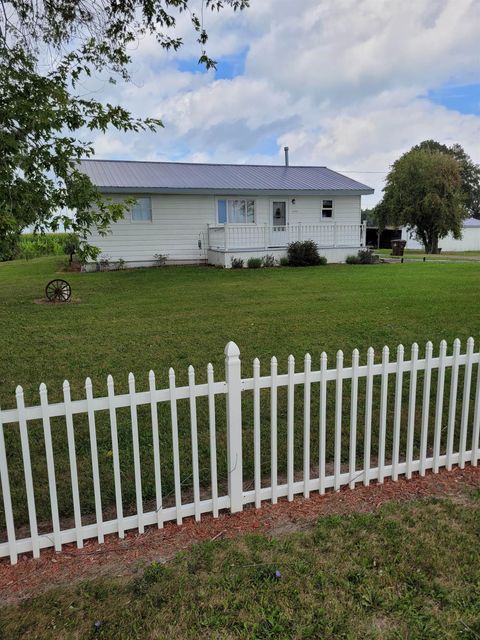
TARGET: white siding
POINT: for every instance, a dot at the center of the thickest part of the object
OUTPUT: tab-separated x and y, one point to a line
180	221
308	210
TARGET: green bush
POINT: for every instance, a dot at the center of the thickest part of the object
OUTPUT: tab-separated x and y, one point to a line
367	257
364	256
254	263
303	254
237	263
268	261
283	261
9	246
352	260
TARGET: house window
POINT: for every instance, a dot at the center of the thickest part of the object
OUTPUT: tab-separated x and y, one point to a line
236	211
327	208
142	210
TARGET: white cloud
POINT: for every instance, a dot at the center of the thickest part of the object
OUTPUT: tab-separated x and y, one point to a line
339	81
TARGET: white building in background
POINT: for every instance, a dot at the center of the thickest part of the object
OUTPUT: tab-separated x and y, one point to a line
470	240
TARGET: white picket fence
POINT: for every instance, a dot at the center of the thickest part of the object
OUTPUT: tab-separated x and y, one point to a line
391	375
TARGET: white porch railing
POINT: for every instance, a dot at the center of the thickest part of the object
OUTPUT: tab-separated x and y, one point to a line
226	237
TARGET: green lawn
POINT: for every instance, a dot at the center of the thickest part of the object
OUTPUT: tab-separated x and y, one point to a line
176	316
409	570
420	253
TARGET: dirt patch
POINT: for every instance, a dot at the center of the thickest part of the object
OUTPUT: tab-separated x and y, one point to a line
126	557
56	302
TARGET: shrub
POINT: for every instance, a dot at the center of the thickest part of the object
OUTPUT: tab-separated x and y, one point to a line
323	260
104	262
268	261
303	254
237	263
284	261
254	263
160	259
9	246
352	260
364	256
367	256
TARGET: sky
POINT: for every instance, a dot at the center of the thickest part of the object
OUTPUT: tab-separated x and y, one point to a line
350	84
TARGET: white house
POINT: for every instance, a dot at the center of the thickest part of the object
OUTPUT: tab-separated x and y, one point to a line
211	213
470	240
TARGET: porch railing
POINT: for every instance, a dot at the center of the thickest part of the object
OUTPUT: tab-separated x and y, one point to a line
227	237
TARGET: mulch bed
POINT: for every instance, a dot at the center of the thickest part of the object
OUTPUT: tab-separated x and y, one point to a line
126	557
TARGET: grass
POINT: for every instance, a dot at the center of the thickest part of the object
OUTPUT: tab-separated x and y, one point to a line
409	570
420	253
153	319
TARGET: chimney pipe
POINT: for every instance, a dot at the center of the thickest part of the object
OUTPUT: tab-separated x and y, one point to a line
286	155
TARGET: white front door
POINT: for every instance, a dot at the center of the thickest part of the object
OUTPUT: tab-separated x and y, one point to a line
279	223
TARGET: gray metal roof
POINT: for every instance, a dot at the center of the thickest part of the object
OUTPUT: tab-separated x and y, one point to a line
471	222
116	176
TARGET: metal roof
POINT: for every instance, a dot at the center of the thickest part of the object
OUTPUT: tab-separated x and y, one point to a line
471	222
113	176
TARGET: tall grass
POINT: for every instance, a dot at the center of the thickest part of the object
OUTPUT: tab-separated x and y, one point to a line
34	245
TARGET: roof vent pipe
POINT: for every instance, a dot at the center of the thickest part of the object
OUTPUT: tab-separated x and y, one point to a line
286	155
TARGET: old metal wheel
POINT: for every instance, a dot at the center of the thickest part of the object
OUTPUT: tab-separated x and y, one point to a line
58	291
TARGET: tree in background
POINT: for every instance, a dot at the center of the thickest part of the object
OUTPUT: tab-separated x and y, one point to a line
47	49
469	171
424	192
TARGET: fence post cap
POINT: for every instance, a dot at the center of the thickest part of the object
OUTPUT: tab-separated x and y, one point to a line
232	350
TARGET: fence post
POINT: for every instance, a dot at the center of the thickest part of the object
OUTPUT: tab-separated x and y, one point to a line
234	426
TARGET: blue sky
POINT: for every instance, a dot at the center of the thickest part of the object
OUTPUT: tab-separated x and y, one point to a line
463	98
351	84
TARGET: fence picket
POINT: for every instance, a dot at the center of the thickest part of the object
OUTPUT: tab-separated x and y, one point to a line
232	388
27	470
306	425
383	415
94	457
72	456
7	498
338	421
453	403
115	456
368	417
52	484
273	430
290	426
213	440
476	421
412	400
256	433
397	412
136	452
425	407
465	403
322	441
194	436
175	446
439	405
353	418
156	450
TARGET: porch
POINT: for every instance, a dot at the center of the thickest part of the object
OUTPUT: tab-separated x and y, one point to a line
334	241
231	237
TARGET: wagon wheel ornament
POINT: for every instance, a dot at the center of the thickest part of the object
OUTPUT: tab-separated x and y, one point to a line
58	291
